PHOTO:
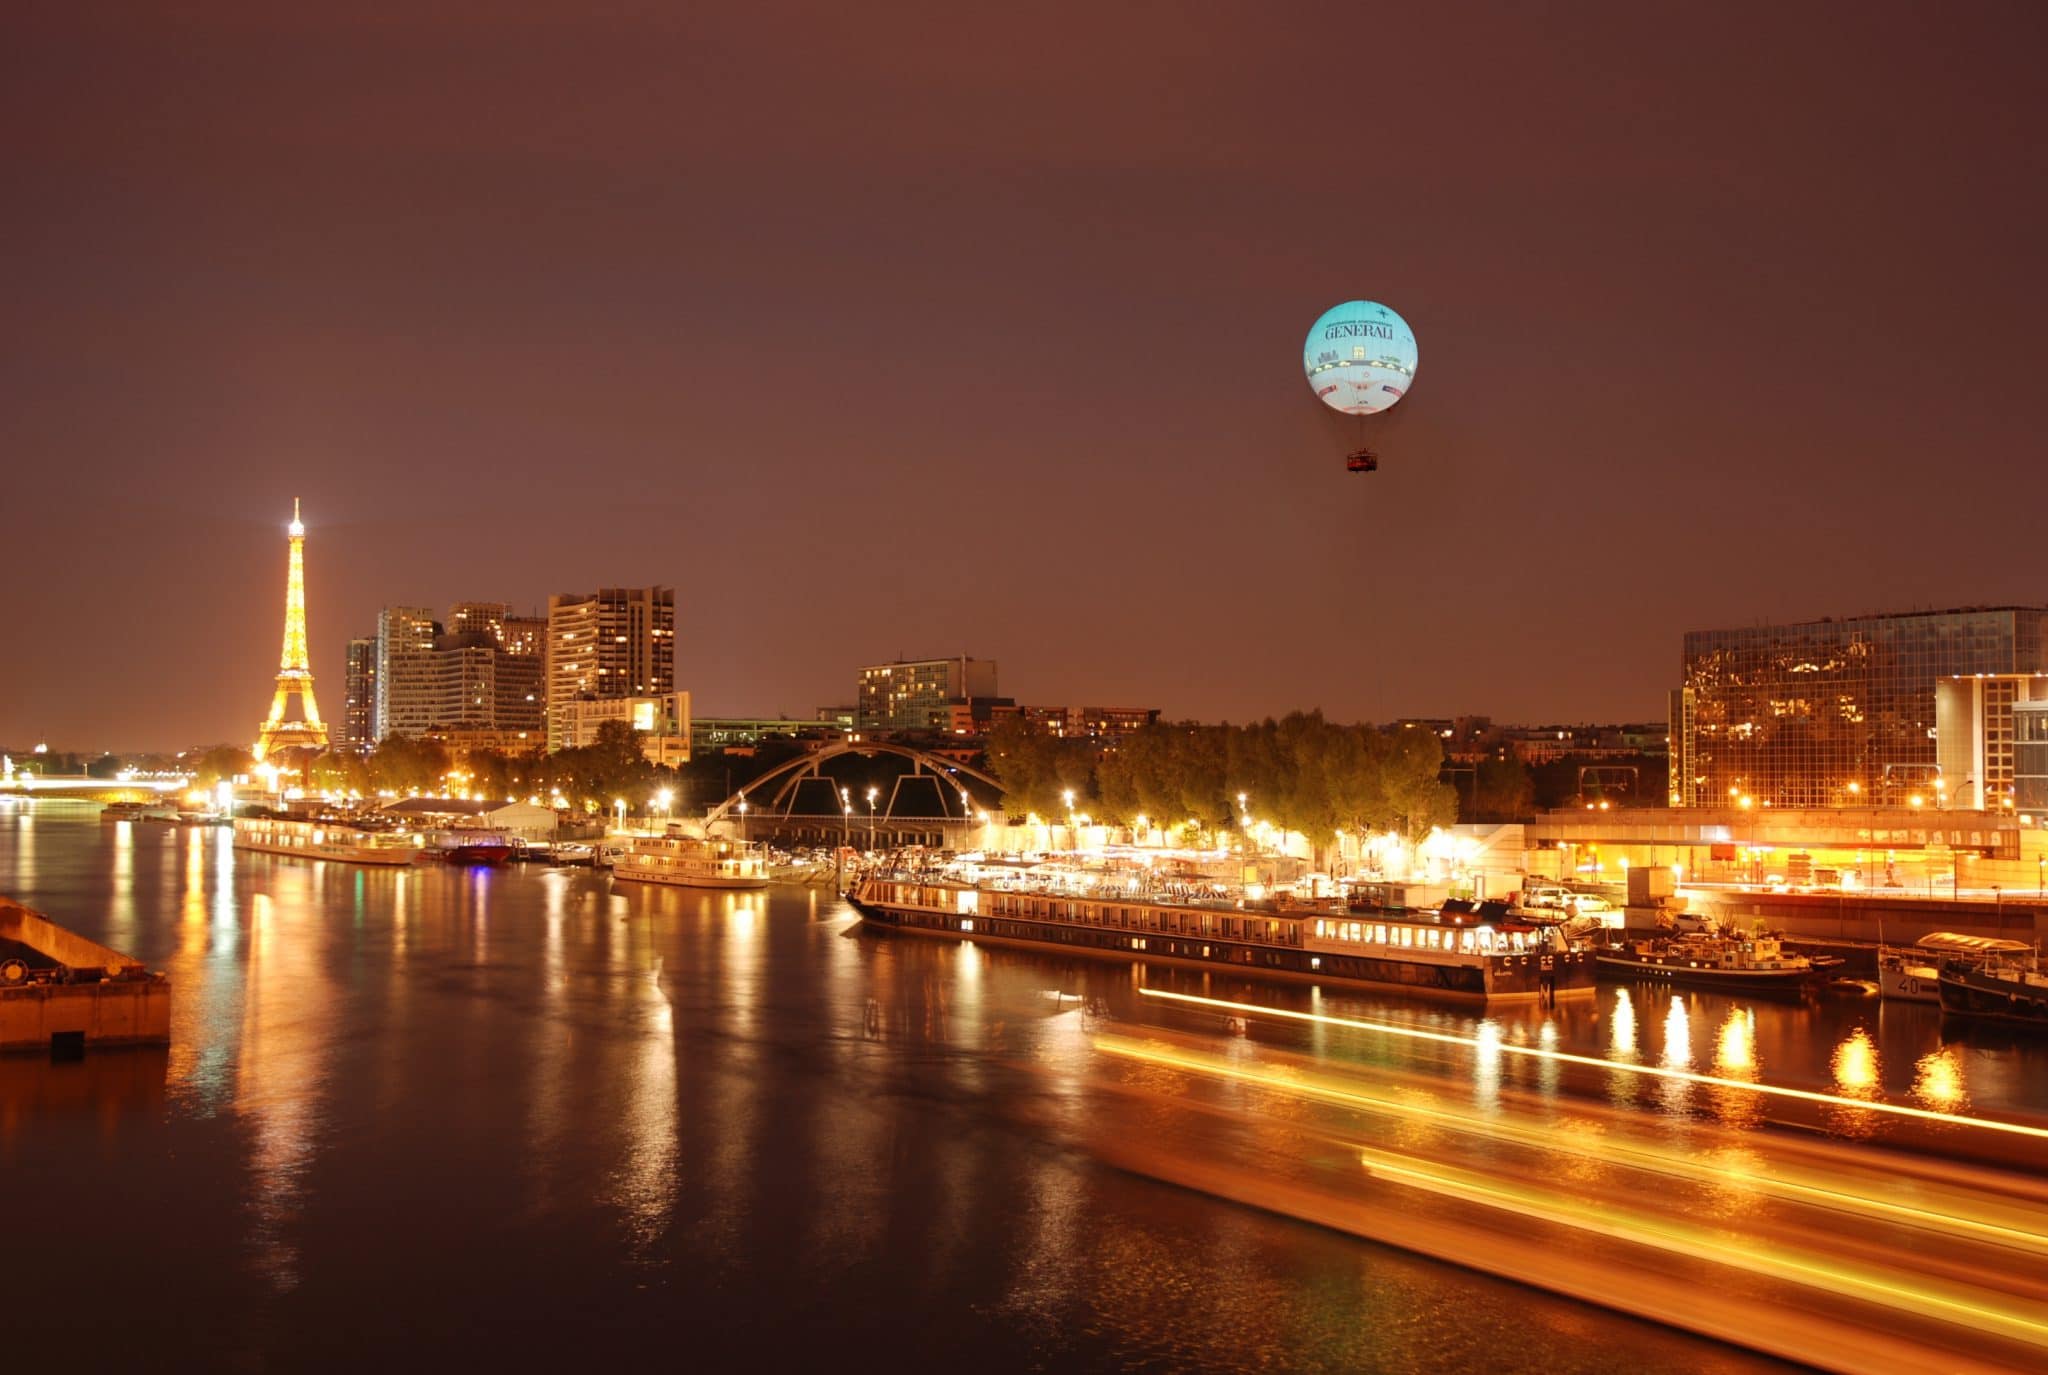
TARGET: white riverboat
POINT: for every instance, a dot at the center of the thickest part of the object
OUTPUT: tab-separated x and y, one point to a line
688	861
325	838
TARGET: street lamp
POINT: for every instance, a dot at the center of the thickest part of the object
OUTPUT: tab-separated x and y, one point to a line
871	817
1073	841
743	818
619	806
662	799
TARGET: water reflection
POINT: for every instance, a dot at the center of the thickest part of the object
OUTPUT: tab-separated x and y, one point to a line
1856	1070
1675	1095
1735	1058
1938	1082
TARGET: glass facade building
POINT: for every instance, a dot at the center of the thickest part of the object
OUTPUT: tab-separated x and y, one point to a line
1832	713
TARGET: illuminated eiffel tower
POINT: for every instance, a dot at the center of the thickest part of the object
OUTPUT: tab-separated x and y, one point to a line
294	674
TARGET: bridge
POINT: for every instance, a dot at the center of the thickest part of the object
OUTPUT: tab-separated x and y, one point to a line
82	788
796	803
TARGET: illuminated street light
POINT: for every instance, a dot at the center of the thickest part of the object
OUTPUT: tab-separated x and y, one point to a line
872	793
743	818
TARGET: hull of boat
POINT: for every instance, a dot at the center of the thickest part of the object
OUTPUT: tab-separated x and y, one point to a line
1909	984
722	882
1614	965
2007	1001
475	856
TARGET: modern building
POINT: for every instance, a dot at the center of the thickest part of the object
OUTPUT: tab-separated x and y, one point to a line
663	722
1103	723
359	707
1975	736
617	642
447	683
405	645
914	694
1833	713
2030	758
709	734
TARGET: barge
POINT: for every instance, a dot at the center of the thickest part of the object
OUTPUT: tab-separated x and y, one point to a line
1482	955
62	993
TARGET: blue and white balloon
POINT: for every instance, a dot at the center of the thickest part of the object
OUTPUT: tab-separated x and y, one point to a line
1360	358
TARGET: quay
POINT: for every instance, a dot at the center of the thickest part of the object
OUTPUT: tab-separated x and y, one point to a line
63	993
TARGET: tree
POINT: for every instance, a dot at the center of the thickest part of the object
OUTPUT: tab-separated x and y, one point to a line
222	762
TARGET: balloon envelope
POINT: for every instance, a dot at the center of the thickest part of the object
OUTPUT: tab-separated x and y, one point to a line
1360	357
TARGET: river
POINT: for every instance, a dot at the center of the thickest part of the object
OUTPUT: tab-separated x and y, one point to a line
495	1117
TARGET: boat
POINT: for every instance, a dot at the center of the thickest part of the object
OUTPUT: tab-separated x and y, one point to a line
139	811
1478	955
2008	988
1752	964
570	852
62	993
473	846
337	839
1913	973
692	862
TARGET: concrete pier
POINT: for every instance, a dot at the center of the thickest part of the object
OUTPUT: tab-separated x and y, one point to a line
62	992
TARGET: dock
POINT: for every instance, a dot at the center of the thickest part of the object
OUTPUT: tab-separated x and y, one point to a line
62	993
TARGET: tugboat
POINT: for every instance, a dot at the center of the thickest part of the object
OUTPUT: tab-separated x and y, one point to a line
2012	991
1750	964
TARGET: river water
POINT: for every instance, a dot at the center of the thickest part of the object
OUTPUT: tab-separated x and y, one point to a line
494	1117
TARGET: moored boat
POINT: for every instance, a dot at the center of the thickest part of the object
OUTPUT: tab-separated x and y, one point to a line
472	846
2011	990
689	861
139	811
1473	956
1913	973
1750	964
325	838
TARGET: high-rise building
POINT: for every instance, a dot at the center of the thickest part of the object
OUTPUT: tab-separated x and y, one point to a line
359	709
1833	713
478	679
918	694
616	642
405	647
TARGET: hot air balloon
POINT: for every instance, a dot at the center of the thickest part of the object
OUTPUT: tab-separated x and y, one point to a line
1360	360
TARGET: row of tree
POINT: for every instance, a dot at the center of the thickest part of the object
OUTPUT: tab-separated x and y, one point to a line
1301	773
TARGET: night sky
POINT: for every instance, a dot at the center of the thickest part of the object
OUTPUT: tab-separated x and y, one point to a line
976	329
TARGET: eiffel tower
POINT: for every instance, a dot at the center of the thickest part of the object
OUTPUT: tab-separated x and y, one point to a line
294	675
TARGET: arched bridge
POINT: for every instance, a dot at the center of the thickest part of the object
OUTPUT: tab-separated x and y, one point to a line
930	805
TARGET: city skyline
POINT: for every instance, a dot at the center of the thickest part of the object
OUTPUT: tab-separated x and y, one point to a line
899	380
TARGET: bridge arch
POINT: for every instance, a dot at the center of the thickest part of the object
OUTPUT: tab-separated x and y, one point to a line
784	778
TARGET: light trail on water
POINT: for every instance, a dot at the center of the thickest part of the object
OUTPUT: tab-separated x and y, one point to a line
1616	1066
